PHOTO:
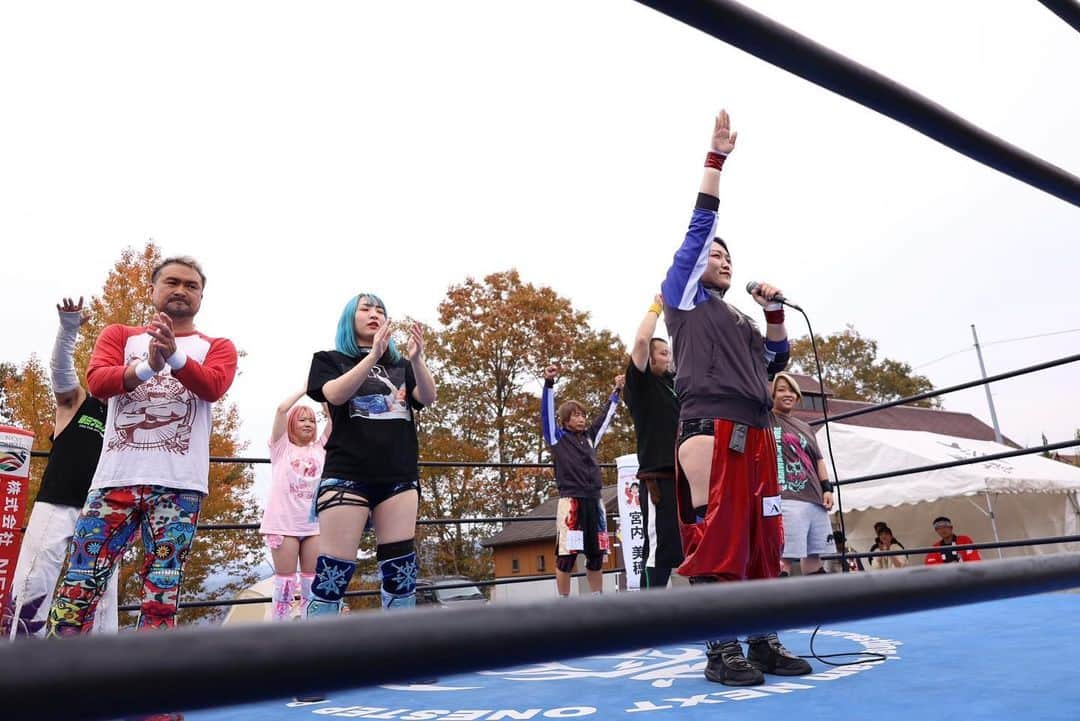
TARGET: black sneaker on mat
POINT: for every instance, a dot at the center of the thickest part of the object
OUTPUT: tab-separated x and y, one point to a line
770	656
728	666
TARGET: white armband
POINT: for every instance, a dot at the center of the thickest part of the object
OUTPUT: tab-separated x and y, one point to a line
177	360
62	364
143	371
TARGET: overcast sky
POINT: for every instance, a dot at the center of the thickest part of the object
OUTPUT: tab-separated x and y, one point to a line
305	152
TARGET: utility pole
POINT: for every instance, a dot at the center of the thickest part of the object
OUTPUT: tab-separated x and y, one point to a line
986	386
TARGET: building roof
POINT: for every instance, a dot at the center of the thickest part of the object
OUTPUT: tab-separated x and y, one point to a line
529	531
808	384
909	418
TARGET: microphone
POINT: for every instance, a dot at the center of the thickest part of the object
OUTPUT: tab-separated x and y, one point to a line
752	287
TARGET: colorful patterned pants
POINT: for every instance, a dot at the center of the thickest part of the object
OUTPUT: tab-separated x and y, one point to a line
166	517
41	559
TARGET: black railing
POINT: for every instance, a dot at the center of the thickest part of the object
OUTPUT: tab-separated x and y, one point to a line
360	594
948	389
989	545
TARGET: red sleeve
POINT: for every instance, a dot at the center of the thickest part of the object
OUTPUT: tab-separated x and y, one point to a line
105	373
932	559
210	379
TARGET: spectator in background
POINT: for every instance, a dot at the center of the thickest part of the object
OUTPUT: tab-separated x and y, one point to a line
944	528
886	542
838	566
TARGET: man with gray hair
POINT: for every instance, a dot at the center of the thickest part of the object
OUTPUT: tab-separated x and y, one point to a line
160	380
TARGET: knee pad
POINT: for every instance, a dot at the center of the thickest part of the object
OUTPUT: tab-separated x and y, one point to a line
397	566
565	563
332	576
594	563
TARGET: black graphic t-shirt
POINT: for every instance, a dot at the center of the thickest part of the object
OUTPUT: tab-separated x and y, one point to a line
74	456
373	438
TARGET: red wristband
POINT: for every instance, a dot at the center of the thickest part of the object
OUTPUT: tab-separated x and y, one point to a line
715	160
774	316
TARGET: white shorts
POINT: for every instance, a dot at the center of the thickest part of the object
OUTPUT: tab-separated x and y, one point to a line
806	530
41	558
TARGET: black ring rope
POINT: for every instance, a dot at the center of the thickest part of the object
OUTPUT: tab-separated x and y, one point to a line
222	666
781	46
960	462
1067	10
989	545
359	594
948	389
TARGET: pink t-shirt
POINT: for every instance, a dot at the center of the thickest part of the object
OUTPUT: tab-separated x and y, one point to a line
295	472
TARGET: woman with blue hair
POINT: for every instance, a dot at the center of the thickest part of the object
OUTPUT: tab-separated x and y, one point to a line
373	392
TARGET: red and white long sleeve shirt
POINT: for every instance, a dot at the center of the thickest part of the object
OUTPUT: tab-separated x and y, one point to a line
159	432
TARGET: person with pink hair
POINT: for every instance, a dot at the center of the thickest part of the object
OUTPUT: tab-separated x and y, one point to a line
297	453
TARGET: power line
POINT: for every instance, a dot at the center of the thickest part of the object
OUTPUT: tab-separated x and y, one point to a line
1032	337
947	355
967	349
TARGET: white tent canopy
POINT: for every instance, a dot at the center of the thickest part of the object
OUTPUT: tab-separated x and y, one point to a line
1022	497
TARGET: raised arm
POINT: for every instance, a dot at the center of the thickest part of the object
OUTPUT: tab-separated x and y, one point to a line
639	353
65	381
548	422
328	427
281	415
602	422
681	287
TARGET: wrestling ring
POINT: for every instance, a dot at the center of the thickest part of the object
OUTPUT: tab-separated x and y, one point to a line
972	640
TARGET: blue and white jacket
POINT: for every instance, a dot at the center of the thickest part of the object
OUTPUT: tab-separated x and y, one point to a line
577	472
722	362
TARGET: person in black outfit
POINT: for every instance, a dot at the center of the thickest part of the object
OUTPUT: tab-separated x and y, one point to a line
650	395
78	430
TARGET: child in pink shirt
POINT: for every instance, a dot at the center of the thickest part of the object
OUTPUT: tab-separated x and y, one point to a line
296	461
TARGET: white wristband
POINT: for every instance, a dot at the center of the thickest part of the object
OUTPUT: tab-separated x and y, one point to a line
773	305
177	360
143	371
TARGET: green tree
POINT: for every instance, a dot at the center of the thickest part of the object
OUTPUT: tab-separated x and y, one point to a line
852	370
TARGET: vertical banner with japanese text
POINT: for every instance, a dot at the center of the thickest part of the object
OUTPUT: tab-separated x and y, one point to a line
15	445
631	521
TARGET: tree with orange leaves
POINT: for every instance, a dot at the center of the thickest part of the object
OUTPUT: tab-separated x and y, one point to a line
498	333
218	566
30	404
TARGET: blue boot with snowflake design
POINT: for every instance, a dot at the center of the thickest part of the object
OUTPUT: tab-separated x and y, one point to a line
332	576
397	566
